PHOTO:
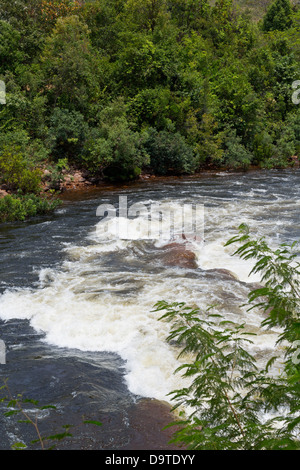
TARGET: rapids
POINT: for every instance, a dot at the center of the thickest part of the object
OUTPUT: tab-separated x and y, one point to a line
81	294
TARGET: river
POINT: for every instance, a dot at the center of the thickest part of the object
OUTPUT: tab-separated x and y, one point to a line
76	308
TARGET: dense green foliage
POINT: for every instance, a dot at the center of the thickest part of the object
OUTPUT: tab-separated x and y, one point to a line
234	404
16	173
21	207
166	86
278	17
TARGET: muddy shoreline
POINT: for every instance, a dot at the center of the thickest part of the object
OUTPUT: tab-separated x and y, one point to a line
76	184
81	187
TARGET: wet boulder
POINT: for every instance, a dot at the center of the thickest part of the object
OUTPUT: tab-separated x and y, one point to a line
177	254
223	272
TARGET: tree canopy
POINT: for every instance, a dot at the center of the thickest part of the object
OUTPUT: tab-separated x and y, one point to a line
201	85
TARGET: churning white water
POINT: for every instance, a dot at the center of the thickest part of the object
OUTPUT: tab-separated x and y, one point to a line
101	296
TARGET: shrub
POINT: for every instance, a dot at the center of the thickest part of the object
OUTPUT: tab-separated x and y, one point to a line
116	151
17	138
278	16
67	133
276	161
169	153
16	173
22	207
10	51
236	155
263	147
113	149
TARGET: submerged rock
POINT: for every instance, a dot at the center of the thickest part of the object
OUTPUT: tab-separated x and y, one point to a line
148	419
224	272
176	254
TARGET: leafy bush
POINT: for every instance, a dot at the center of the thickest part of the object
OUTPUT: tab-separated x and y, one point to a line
169	153
236	155
16	173
208	146
22	207
10	53
224	391
153	107
286	144
67	133
114	149
17	138
263	147
276	161
116	152
55	175
34	151
278	16
289	140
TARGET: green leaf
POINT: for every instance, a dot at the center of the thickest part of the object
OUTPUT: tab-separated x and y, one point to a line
18	446
11	412
29	400
90	421
46	407
58	436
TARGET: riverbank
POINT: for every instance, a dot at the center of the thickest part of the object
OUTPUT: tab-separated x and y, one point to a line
75	180
78	182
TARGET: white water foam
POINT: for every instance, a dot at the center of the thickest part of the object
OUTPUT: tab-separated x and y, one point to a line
90	307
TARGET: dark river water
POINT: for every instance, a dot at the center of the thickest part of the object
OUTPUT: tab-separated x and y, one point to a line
77	297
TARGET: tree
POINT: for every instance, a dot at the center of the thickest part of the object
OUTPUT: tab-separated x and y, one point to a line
238	102
10	53
113	149
146	15
206	140
24	17
70	66
67	133
223	11
50	11
278	16
104	20
169	152
189	14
